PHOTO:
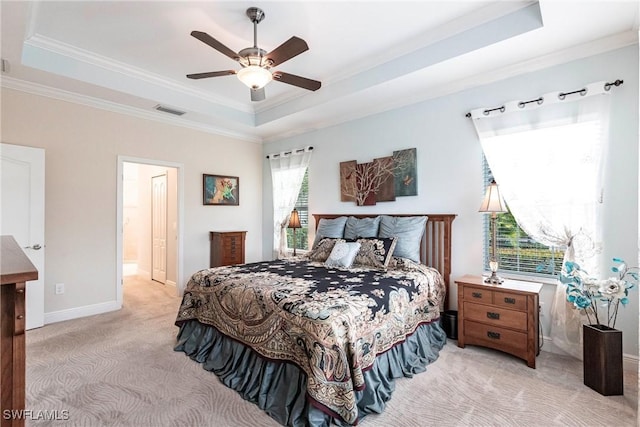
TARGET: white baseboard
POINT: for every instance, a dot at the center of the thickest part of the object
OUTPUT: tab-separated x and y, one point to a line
78	312
144	274
171	283
629	361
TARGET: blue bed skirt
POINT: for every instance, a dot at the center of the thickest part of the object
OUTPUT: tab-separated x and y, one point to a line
279	388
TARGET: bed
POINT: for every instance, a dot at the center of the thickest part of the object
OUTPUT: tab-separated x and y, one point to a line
312	342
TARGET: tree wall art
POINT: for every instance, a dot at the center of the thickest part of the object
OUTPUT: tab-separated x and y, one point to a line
381	180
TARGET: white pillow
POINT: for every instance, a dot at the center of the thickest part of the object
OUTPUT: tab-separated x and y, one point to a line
343	254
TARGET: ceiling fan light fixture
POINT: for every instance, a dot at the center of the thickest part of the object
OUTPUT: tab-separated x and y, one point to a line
255	77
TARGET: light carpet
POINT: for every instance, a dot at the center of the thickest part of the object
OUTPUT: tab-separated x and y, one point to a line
119	369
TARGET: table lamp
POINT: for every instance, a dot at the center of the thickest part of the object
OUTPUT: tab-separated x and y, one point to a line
493	204
294	222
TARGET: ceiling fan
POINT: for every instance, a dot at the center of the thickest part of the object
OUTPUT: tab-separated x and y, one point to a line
257	63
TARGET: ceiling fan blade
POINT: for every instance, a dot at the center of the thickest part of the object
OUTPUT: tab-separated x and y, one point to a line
294	80
207	39
257	94
211	74
287	50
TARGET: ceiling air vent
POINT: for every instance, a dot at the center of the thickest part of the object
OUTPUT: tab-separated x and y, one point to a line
169	110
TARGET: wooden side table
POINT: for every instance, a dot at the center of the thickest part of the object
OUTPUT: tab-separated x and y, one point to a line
503	317
227	248
15	270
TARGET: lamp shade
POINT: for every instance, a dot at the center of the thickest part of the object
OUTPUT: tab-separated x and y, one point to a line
294	219
254	76
493	201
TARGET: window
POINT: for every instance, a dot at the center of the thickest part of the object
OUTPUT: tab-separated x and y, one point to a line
302	205
517	252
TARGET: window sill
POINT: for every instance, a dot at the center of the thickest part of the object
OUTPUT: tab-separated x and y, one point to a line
525	277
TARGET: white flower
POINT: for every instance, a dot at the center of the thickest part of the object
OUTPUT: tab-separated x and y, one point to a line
612	288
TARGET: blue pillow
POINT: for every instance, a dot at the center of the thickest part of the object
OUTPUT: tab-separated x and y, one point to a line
365	227
333	228
408	230
343	254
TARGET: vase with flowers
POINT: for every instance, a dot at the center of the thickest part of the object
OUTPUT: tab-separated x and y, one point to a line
599	300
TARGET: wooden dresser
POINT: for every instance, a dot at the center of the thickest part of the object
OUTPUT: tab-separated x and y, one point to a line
503	317
227	248
15	270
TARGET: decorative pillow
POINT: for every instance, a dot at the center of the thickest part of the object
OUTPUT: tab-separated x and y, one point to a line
343	254
323	249
408	230
330	228
375	252
364	227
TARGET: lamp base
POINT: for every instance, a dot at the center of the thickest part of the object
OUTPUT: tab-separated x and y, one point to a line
494	279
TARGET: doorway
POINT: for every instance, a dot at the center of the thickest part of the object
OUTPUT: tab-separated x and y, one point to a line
150	221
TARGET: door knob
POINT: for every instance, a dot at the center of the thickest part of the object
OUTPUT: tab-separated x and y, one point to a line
35	247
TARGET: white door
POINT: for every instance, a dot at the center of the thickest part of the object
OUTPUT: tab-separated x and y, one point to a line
159	228
22	215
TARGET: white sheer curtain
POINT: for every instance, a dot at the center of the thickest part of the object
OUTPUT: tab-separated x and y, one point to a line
548	158
287	173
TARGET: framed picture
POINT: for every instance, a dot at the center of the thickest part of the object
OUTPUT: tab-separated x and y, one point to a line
220	190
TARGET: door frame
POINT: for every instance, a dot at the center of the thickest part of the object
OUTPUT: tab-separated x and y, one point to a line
120	225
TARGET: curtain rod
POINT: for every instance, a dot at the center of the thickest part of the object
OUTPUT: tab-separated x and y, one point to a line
300	150
540	100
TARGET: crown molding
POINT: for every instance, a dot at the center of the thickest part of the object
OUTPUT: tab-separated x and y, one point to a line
63	95
78	54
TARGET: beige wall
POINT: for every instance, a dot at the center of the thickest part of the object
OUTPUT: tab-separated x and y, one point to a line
81	147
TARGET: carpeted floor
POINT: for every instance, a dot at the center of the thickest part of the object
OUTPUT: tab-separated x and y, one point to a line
120	369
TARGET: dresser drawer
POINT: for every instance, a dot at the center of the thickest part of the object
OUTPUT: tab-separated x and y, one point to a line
232	257
495	315
510	300
478	295
231	244
496	337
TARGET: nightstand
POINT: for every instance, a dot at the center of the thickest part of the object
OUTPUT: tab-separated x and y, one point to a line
503	317
227	248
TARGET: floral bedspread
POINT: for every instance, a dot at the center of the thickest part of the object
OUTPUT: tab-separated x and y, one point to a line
330	322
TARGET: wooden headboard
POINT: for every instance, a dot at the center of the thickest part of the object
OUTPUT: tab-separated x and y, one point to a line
435	248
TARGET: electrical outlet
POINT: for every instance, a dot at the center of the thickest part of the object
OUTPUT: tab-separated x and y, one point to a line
59	288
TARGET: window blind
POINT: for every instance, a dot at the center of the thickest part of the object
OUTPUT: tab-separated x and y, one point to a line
517	251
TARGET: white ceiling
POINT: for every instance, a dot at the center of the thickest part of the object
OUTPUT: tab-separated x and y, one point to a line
370	56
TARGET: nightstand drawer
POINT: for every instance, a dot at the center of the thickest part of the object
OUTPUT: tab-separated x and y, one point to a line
496	337
510	300
478	295
496	315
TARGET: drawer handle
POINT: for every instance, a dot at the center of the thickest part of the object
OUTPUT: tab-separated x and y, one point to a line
476	294
20	316
510	300
20	291
493	335
492	315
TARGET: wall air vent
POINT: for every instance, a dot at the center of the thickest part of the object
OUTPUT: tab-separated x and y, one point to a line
169	110
5	65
